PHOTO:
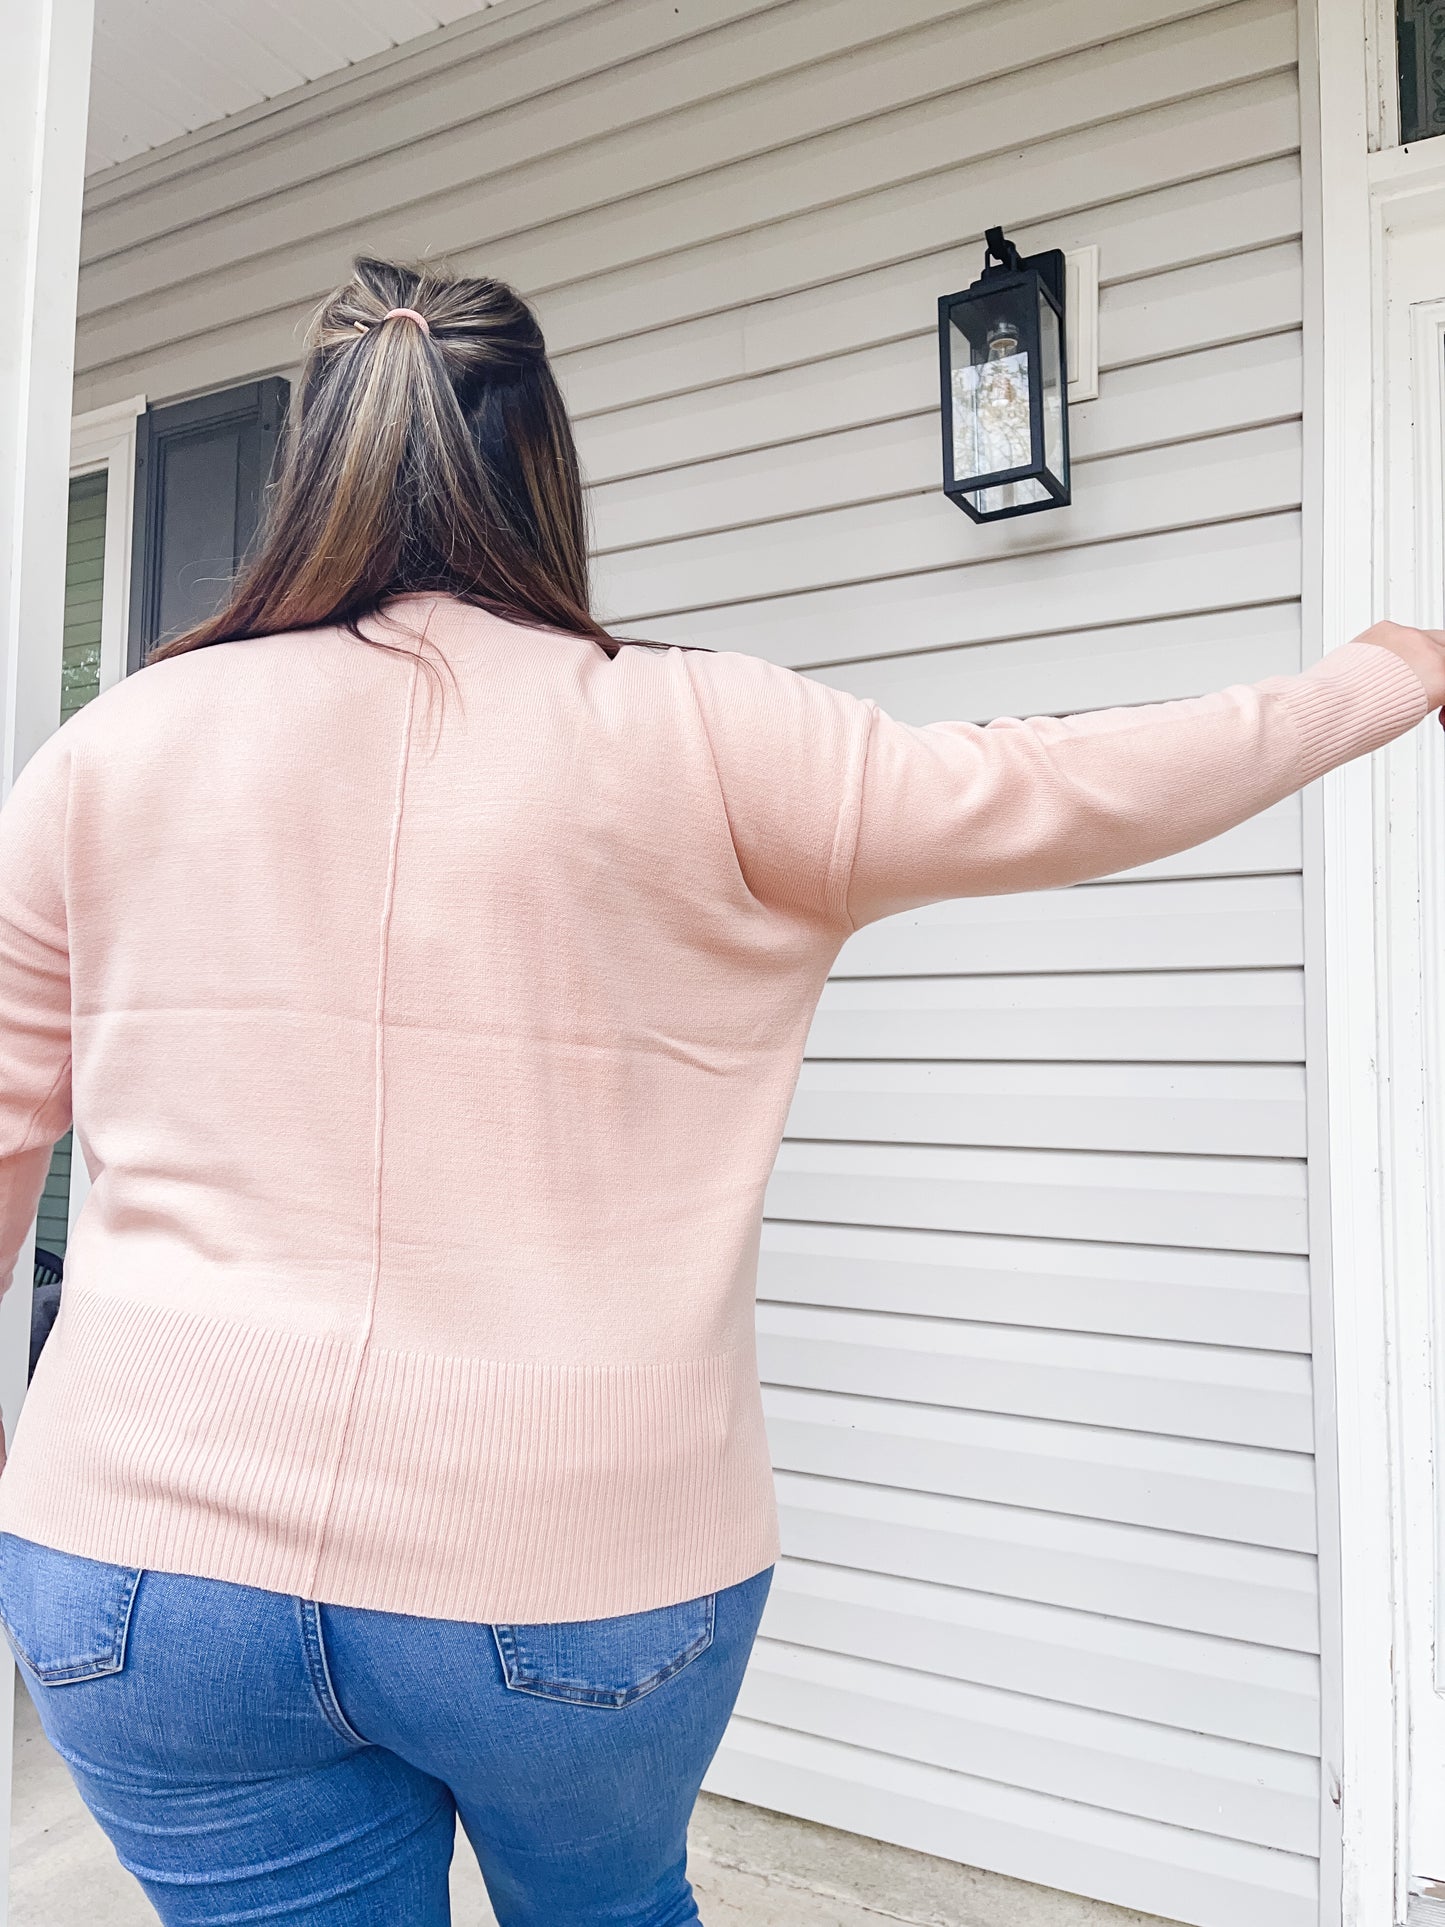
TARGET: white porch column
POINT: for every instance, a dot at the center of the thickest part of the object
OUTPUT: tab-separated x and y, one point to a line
44	94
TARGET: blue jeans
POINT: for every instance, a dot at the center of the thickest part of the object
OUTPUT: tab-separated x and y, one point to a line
256	1757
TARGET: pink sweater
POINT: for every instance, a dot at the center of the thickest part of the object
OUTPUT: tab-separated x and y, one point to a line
430	1051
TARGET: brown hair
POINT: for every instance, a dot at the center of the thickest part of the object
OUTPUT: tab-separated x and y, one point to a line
418	460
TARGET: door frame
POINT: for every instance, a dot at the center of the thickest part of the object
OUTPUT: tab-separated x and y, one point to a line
1376	835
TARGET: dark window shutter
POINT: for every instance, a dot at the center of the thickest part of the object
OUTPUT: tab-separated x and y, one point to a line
200	469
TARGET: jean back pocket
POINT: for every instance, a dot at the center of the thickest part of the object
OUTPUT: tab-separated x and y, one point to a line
67	1618
605	1662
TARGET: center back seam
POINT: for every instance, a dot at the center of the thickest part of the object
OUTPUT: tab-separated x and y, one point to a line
383	952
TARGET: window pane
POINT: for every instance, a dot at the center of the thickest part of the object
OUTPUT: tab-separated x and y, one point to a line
988	339
1051	368
1420	39
84	580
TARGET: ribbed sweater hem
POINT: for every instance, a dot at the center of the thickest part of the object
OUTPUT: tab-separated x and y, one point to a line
462	1488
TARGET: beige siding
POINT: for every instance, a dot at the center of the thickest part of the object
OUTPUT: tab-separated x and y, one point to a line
1035	1317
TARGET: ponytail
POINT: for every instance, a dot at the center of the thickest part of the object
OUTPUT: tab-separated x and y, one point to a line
418	458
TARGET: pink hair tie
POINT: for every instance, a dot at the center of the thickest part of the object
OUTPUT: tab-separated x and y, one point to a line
408	314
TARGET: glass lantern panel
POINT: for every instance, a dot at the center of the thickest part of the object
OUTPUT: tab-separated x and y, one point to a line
1008	495
989	340
1052	385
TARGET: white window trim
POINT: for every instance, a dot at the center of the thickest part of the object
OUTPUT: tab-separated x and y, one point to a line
1382	79
104	439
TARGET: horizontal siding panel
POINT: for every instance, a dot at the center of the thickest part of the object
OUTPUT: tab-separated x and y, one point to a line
740	333
1225	923
1060	674
1238	1492
1217	1203
1206	1110
505	64
1267	844
1204	1685
1246	1016
1179	1873
1249	384
954	166
1164	313
1140	579
1203	392
596	200
791	256
650	122
1235	1298
1256	472
1214	54
1078	1378
462	128
1074	1753
1256	1595
832	281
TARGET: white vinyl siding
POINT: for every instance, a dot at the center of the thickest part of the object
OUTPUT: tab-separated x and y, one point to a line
1034	1313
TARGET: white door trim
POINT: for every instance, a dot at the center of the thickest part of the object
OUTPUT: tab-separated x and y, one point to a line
1353	1456
1408	200
1370	967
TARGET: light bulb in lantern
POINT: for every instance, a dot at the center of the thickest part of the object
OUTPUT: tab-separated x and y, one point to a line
991	412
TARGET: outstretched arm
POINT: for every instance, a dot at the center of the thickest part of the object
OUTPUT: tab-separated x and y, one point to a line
954	809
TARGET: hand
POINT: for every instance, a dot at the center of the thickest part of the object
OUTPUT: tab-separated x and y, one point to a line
1422	649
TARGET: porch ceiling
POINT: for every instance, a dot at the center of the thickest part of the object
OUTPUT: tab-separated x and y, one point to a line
163	68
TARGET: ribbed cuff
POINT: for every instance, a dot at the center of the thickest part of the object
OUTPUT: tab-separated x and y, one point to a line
1358	698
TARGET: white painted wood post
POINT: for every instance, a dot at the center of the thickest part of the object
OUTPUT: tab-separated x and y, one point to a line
1365	1741
44	94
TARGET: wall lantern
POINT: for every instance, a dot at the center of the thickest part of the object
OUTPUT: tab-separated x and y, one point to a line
1004	366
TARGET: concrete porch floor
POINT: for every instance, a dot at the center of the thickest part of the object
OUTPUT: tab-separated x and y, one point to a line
749	1868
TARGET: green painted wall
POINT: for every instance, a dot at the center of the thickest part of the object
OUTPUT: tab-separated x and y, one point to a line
79	682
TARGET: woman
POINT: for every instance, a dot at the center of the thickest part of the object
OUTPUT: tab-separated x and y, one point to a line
430	972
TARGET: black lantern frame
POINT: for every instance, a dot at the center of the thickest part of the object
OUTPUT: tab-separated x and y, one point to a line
1016	304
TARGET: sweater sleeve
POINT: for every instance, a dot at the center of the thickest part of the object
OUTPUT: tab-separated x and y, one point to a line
34	990
954	809
841	811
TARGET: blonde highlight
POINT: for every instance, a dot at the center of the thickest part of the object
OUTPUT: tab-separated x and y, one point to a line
418	458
